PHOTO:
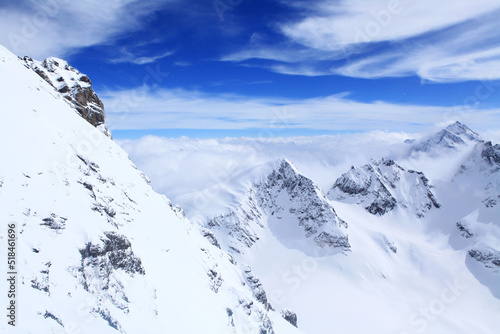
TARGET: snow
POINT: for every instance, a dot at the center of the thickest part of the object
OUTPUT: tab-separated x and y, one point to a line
150	268
402	274
67	187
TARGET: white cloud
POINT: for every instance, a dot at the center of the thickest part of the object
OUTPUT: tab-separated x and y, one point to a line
146	108
225	161
457	54
342	23
209	171
57	27
439	41
130	57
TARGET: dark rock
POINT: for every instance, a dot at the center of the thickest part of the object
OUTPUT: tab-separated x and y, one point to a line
464	231
53	317
490	258
289	316
54	222
215	280
115	253
326	239
64	89
77	90
491	154
256	287
85	78
372	185
211	238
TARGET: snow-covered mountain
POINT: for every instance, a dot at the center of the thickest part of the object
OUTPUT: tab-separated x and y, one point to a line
451	137
381	186
287	203
75	87
389	250
98	250
483	168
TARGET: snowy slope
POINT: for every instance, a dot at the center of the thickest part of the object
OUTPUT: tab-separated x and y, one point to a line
382	186
476	190
98	250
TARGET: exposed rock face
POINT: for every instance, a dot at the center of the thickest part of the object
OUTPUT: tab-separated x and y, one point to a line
256	286
483	168
289	316
75	87
284	201
488	257
97	272
464	230
382	186
306	202
491	155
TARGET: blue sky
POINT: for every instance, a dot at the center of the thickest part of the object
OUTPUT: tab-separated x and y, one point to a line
272	68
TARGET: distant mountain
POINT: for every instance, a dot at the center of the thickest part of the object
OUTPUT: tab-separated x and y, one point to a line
453	136
75	87
288	204
381	186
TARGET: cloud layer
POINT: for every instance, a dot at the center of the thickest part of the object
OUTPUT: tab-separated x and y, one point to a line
148	108
322	158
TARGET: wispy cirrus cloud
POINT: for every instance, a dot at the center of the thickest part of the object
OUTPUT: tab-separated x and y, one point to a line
58	27
132	58
445	41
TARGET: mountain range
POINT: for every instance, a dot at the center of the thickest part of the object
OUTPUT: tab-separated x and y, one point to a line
386	248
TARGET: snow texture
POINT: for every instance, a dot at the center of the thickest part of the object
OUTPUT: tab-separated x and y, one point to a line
99	251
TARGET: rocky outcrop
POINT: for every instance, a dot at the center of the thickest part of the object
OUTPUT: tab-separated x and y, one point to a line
75	87
289	316
464	231
256	287
482	168
381	186
488	257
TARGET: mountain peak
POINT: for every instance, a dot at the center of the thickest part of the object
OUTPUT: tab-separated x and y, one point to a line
460	129
453	136
383	185
289	205
74	87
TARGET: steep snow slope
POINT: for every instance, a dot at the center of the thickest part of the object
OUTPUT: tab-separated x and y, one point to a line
98	251
384	185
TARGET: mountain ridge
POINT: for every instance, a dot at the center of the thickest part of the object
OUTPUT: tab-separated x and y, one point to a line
87	258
